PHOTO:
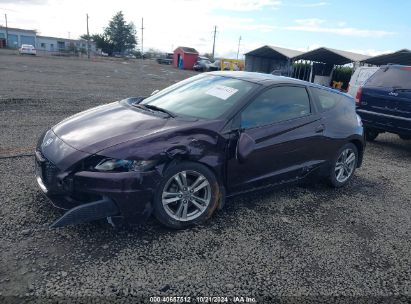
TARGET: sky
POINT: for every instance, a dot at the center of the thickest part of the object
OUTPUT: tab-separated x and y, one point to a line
369	27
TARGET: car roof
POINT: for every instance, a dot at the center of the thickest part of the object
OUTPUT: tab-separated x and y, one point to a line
269	79
397	66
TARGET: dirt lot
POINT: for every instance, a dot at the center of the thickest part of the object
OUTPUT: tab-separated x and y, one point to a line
299	243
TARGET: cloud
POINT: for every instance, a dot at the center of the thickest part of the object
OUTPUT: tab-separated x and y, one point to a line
311	22
318	26
314	4
241	5
23	1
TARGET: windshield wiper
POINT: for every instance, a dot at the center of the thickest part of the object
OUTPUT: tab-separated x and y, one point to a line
155	108
148	107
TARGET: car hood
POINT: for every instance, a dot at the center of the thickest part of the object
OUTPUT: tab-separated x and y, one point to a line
99	128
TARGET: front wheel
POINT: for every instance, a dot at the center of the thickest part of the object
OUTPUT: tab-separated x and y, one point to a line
344	165
187	195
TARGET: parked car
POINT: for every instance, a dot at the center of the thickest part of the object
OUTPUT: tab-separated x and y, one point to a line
203	64
165	59
27	49
180	152
215	66
384	102
358	78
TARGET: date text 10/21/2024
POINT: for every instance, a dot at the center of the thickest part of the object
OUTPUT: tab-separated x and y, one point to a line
235	299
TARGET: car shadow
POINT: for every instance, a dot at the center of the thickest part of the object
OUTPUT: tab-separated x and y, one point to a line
309	199
393	142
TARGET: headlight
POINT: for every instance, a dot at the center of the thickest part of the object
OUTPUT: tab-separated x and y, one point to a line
123	165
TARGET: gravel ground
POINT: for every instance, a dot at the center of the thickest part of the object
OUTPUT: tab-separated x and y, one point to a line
298	243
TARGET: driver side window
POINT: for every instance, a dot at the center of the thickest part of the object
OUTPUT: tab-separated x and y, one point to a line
276	105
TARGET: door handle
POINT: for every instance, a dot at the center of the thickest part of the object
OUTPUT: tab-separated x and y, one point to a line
319	129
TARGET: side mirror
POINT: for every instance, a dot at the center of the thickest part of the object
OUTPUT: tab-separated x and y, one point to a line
245	146
154	92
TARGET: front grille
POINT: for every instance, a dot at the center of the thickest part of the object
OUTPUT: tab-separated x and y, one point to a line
49	170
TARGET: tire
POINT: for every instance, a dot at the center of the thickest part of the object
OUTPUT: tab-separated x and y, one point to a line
179	207
340	177
371	134
404	136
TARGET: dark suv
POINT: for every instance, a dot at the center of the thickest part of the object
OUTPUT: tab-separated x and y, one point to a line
384	103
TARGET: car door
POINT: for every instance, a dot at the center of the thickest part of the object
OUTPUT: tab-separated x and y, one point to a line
283	128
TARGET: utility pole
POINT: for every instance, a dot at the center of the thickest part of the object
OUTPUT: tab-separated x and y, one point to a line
238	49
142	38
88	40
215	32
7	32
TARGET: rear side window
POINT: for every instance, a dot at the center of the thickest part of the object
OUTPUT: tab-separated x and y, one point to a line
391	77
363	76
326	99
276	105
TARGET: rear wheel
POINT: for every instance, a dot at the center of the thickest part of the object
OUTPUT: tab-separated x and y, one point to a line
371	134
187	195
344	165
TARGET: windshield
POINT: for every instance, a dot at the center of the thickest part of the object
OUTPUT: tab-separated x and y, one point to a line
397	78
205	96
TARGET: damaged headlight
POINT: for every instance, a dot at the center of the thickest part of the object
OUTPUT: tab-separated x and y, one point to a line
123	165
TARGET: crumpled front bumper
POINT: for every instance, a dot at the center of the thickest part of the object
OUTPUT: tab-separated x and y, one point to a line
103	208
88	196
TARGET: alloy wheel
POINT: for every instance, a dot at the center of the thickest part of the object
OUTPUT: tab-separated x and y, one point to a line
186	195
345	165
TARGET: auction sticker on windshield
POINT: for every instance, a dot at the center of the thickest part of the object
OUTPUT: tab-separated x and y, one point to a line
221	92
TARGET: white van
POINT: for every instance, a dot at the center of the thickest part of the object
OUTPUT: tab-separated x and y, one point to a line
359	77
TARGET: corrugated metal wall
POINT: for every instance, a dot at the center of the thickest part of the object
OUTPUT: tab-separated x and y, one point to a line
264	64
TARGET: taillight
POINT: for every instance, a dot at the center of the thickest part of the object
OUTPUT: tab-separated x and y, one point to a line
358	96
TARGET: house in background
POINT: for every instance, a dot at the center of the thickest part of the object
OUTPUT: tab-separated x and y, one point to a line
54	44
17	37
184	58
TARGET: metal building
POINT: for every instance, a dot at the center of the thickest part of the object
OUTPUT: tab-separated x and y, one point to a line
15	37
399	57
270	59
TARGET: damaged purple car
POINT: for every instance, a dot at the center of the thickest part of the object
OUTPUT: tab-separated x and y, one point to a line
180	152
